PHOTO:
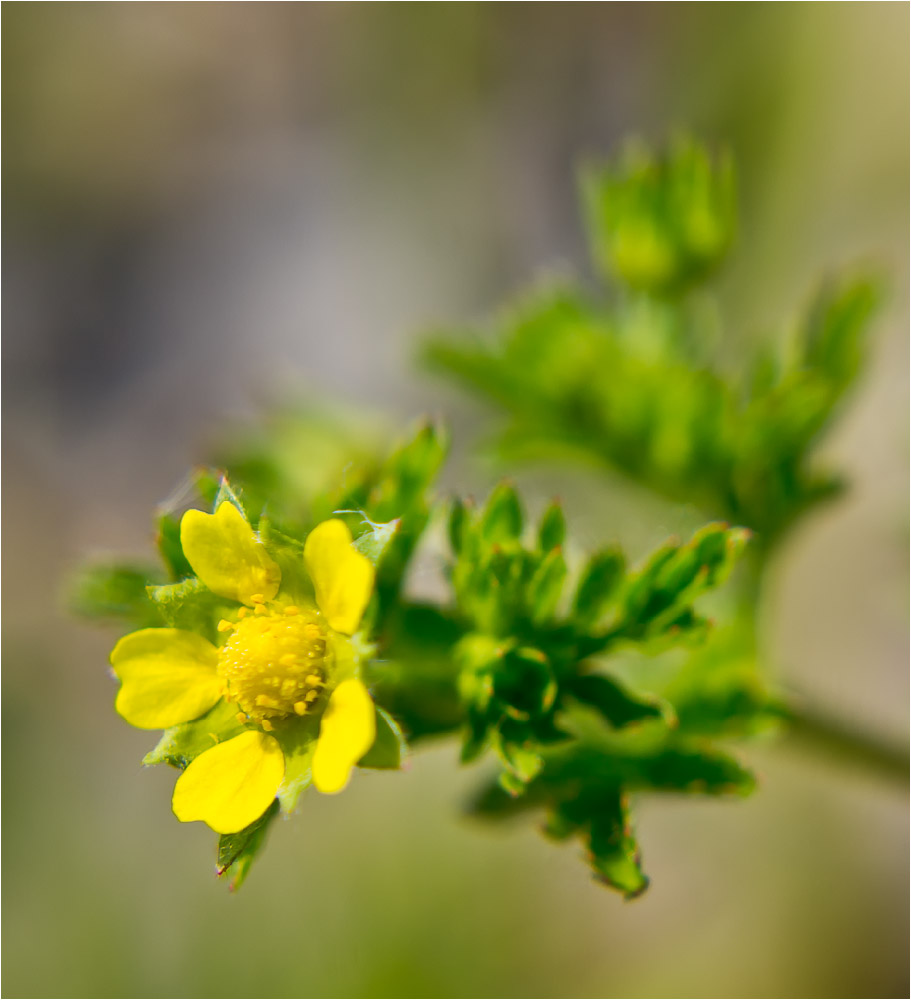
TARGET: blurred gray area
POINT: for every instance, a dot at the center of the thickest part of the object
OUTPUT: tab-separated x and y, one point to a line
210	207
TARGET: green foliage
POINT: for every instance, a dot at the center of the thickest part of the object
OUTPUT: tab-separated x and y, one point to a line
662	223
532	657
626	381
585	788
526	658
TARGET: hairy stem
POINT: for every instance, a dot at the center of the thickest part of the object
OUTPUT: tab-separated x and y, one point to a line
835	740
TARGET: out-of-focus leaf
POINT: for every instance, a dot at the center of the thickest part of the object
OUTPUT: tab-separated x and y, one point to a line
546	587
598	586
614	701
115	591
501	519
552	528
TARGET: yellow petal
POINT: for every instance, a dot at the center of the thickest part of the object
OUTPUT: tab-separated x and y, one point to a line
342	576
227	556
231	785
347	731
167	676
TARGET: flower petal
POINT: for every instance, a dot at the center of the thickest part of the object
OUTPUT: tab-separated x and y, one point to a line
167	676
347	731
227	556
231	785
342	576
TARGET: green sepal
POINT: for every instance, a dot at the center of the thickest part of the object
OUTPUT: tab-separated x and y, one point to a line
288	552
597	586
390	748
374	542
297	738
238	851
190	605
226	492
619	706
182	744
552	527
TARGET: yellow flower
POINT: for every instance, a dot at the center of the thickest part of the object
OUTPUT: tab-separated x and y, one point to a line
288	658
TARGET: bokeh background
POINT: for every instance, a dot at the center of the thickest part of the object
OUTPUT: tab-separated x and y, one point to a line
212	206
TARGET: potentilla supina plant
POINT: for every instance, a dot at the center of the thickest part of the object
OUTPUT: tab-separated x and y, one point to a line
288	662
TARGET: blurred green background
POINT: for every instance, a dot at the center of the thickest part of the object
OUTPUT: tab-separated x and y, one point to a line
211	204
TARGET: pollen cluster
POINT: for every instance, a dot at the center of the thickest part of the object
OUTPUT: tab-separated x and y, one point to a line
275	662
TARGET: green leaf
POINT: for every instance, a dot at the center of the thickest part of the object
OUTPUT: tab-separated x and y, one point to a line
552	529
546	587
389	748
614	852
707	772
238	851
502	519
835	330
598	586
523	763
408	473
457	524
620	706
181	744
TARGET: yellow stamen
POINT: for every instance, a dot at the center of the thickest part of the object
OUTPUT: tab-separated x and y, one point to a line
274	664
241	716
292	610
267	725
258	599
225	626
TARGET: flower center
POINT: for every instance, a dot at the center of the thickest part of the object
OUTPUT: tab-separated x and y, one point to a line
275	663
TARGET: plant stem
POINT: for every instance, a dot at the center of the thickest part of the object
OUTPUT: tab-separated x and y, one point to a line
834	739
